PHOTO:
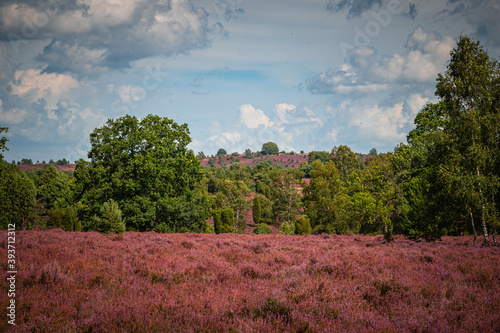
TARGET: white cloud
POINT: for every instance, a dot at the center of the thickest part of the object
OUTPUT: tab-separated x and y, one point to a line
252	117
35	87
13	116
90	36
383	124
427	56
415	103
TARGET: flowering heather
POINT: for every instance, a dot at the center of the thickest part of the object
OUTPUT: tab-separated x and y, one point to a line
149	282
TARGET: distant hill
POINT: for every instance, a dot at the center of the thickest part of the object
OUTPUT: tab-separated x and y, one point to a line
285	160
64	167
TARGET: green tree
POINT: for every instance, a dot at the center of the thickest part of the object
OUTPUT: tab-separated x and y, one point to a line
248	153
110	219
256	210
323	197
3	141
285	195
469	91
55	188
221	151
145	167
345	160
303	226
17	196
233	195
270	148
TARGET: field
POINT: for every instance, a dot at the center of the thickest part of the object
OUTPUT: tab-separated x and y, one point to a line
149	282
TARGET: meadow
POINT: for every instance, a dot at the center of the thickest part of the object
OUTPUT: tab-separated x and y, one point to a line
150	282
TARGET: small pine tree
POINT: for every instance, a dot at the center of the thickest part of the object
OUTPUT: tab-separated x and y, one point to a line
303	226
110	220
257	211
287	228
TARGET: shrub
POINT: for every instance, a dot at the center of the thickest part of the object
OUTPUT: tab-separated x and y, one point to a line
217	221
110	220
303	226
227	216
287	228
262	229
257	211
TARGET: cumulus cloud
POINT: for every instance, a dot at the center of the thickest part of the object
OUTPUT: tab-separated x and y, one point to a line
97	34
252	117
13	116
35	86
427	54
382	124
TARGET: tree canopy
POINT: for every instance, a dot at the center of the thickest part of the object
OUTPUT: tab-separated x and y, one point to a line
270	148
145	167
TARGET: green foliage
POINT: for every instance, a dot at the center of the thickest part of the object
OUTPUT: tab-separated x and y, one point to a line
17	197
303	226
145	166
322	198
3	141
256	210
322	156
65	219
270	148
110	219
287	228
345	160
217	214
55	188
285	195
262	229
223	220
221	151
248	153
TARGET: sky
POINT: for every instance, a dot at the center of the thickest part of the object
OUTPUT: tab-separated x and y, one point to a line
307	75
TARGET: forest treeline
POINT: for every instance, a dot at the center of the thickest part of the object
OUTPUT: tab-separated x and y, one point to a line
141	176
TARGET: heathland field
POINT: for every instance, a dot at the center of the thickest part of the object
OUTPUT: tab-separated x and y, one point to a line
150	282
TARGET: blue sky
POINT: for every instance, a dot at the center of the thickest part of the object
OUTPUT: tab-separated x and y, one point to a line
308	75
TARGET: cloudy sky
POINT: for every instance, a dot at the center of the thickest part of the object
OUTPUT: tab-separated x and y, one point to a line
308	75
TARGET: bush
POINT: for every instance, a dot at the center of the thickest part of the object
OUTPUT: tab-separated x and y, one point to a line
223	220
257	211
303	226
227	216
110	220
287	228
262	229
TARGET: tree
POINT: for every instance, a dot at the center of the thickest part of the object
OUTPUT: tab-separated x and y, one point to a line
110	219
221	151
3	141
232	194
373	152
248	153
270	148
285	195
256	210
345	160
145	167
17	196
200	156
55	188
469	90
322	199
303	226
